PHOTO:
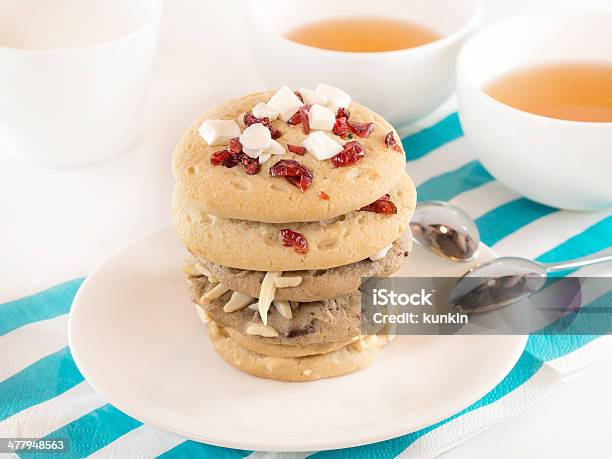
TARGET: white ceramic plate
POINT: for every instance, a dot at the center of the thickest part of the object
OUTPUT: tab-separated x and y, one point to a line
137	339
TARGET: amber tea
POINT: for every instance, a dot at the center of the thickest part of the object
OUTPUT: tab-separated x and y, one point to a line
576	92
363	35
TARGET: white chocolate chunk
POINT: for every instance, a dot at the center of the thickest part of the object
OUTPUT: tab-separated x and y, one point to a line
256	137
275	148
263	110
312	97
261	330
214	293
284	308
382	254
237	302
264	157
284	282
285	102
321	146
307	372
337	97
219	132
322	118
266	294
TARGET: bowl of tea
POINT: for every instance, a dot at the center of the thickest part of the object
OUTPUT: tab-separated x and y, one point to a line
535	102
395	56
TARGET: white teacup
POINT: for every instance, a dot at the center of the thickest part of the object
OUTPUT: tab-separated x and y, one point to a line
403	85
566	164
73	75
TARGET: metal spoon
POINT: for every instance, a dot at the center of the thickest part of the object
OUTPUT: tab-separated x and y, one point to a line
507	280
446	230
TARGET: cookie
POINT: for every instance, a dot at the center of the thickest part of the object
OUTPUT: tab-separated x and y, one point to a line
347	359
258	246
327	321
282	350
231	193
316	284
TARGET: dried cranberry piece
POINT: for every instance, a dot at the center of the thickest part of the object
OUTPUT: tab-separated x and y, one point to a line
294	239
275	133
295	119
298	94
234	145
392	143
323	195
363	130
296	149
381	206
353	152
304	109
250	119
294	172
343	113
251	165
219	156
341	127
231	161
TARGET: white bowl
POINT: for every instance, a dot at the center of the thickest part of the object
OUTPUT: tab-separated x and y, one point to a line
403	86
565	164
74	75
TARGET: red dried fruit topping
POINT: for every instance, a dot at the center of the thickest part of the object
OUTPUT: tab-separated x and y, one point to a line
218	157
304	109
343	113
251	165
233	155
294	239
296	149
363	130
392	143
353	152
381	206
323	195
295	119
234	145
341	127
298	94
294	172
250	119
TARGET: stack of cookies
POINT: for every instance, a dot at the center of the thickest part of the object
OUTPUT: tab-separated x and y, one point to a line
286	201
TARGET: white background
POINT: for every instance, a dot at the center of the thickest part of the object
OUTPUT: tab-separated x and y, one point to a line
58	224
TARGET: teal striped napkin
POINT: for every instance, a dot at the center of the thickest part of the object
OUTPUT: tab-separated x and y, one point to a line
42	394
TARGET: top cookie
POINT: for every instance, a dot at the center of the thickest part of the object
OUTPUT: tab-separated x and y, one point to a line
232	193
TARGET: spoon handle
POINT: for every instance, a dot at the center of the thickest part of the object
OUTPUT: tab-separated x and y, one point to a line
599	257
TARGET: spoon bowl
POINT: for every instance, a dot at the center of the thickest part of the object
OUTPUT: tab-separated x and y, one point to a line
446	230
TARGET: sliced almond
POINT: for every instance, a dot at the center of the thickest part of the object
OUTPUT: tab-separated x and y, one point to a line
285	282
261	330
254	307
294	304
284	308
237	302
204	317
191	270
266	294
214	293
202	270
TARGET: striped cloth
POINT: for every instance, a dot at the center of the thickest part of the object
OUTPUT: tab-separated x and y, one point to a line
42	394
